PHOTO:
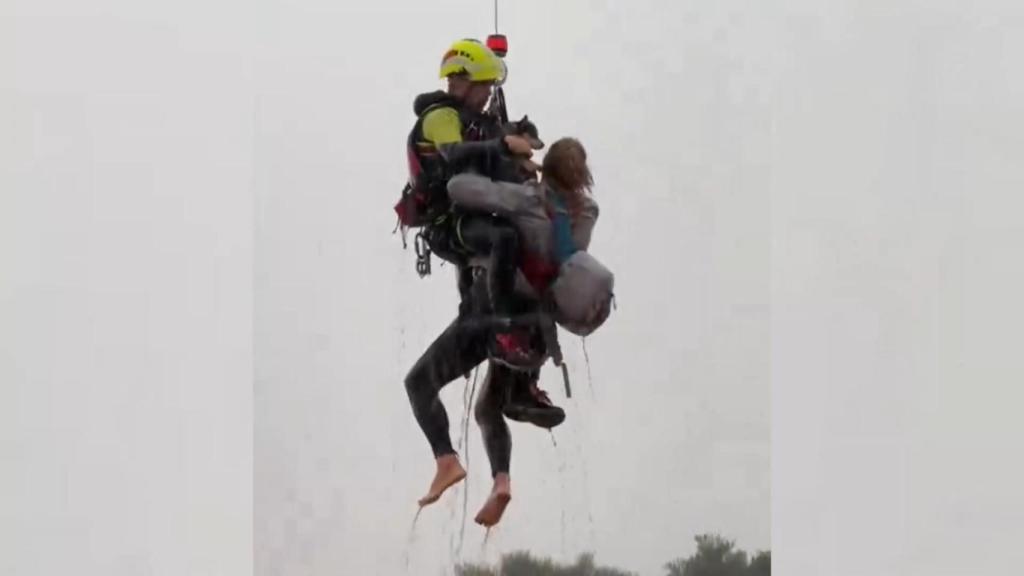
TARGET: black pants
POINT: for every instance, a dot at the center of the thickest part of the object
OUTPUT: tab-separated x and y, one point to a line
461	347
465	235
453	354
495	393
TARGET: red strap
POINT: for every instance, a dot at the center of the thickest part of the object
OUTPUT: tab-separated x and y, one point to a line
539	272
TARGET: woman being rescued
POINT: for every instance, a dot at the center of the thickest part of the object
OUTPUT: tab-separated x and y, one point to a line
555	217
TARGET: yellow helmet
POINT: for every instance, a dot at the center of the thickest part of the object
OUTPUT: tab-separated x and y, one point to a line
475	59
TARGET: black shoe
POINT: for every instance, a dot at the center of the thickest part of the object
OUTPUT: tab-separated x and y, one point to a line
534	407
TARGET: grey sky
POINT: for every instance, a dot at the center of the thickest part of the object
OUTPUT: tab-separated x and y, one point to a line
673	104
812	209
896	238
125	289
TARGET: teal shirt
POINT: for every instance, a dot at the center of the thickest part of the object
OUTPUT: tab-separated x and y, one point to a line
561	226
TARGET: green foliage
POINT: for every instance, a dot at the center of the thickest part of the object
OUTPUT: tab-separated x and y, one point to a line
760	564
715	556
524	564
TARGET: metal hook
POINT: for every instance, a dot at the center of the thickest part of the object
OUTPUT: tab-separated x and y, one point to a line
422	256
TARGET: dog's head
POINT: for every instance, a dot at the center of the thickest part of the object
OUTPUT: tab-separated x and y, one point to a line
526	129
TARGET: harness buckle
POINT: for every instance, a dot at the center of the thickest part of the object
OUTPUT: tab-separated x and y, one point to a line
422	255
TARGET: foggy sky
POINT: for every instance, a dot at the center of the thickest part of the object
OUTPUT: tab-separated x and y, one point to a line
125	289
673	441
811	209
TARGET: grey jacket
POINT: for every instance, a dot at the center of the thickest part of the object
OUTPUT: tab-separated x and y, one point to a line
525	205
582	291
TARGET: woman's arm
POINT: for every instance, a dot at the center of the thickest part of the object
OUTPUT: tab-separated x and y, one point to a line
476	192
583	223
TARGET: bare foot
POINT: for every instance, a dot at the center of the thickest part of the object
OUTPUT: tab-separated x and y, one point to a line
491	513
449	472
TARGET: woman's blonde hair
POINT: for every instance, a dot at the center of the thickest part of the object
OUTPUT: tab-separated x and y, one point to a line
565	165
